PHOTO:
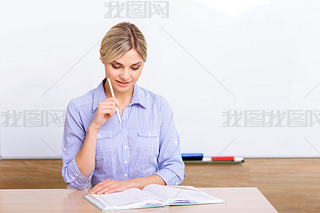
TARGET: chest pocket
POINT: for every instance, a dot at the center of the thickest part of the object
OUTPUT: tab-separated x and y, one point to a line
148	142
103	148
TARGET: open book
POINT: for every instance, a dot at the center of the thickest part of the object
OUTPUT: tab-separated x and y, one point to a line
153	195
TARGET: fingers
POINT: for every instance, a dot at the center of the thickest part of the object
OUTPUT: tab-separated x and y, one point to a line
111	100
98	187
105	107
104	187
105	110
108	107
109	186
108	111
107	190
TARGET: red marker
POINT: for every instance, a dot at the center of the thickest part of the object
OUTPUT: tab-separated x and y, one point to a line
227	158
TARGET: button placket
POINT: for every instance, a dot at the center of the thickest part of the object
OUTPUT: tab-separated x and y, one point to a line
125	151
125	116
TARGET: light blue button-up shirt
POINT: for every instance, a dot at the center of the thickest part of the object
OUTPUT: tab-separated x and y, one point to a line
146	142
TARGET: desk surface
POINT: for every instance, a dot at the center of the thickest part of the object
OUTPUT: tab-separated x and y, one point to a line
246	200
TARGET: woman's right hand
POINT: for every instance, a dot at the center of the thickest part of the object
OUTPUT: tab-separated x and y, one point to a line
105	110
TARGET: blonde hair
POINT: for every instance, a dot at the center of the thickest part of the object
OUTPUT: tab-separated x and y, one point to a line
121	38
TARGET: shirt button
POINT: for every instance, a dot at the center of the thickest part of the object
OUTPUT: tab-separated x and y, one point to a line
149	133
125	174
76	175
125	147
65	150
98	135
126	162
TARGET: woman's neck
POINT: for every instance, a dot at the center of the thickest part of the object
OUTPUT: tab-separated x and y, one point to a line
123	98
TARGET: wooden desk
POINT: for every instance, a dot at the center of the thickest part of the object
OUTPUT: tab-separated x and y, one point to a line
239	200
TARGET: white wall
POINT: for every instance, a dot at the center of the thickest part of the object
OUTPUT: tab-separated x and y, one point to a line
206	58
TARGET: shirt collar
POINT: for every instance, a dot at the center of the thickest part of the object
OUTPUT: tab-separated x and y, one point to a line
138	96
98	95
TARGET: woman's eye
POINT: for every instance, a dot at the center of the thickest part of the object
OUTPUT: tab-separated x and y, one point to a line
116	67
135	68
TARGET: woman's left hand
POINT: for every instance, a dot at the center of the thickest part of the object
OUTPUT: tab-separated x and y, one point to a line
109	186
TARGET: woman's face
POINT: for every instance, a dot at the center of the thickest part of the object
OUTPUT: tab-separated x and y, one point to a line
125	71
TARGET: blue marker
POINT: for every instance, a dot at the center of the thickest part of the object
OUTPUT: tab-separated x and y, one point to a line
192	156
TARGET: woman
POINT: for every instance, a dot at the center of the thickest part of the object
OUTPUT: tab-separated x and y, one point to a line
140	150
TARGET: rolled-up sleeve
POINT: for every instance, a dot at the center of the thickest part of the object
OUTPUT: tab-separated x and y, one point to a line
73	138
171	166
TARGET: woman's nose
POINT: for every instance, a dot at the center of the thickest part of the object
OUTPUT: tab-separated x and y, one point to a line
124	74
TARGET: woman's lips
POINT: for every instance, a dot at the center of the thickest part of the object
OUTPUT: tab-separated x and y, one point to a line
123	84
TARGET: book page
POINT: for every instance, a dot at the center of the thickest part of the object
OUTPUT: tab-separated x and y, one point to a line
130	198
181	196
187	187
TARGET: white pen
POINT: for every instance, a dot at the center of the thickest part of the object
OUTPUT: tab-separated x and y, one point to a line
110	86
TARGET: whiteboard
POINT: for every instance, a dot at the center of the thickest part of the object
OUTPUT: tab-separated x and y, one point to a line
242	77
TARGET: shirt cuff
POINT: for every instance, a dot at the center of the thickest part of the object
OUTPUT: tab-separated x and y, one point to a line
77	179
169	177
